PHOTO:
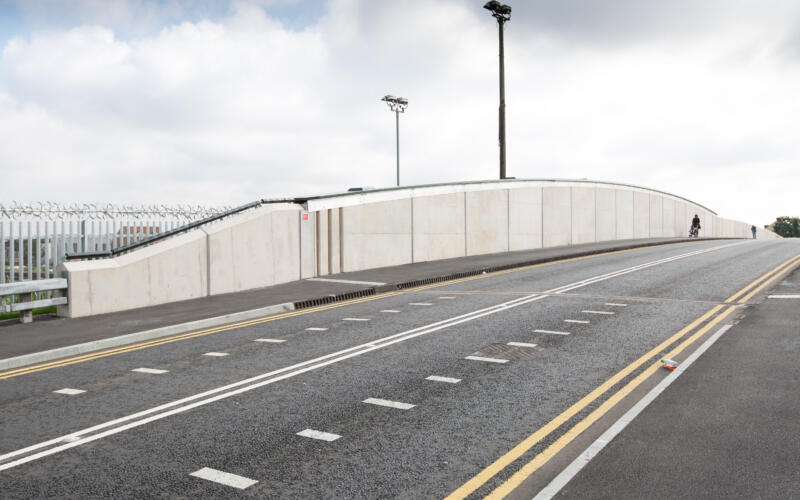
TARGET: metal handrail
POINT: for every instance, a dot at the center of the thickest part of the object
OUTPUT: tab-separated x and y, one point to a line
147	241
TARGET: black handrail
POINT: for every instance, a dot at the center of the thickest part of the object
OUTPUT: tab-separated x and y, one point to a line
172	232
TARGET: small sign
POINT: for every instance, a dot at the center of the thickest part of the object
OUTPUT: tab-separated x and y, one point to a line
305	216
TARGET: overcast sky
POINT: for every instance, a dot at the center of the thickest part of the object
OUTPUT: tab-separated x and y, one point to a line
221	103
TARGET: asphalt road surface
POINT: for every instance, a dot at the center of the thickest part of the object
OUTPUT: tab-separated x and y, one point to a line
470	388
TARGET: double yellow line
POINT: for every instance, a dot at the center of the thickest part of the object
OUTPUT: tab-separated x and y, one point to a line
523	447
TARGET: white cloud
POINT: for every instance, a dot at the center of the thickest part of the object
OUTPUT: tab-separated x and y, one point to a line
228	108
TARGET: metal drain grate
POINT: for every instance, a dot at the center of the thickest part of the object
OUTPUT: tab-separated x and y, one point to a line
334	298
504	351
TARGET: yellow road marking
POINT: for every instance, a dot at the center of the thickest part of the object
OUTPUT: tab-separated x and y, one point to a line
501	463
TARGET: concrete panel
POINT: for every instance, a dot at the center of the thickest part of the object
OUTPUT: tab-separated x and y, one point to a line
438	223
285	239
308	241
524	218
681	228
323	248
335	236
641	215
556	216
583	215
376	235
656	216
487	221
668	211
178	271
605	214
624	208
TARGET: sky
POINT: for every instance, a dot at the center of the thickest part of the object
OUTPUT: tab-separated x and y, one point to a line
212	102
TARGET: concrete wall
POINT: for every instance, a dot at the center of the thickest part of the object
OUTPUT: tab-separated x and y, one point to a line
278	243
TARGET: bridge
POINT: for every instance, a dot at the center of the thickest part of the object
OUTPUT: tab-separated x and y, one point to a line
496	339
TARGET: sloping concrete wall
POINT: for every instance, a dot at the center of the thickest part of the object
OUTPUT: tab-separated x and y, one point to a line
282	242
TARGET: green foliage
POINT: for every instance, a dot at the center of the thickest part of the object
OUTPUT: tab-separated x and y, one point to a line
788	227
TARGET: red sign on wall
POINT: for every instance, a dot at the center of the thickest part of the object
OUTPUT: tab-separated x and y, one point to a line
305	216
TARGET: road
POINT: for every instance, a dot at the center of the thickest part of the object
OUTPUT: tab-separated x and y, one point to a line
452	389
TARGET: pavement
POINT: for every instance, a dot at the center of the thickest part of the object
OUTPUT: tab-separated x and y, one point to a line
48	335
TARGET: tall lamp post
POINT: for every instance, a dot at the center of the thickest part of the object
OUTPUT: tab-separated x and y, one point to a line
398	105
502	13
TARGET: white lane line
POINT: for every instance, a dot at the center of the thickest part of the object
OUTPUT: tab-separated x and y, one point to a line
552	332
154	371
446	298
521	344
225	478
324	436
783	296
488	360
316	329
270	341
69	392
390	404
597	312
581	321
616	304
579	463
420	304
355	319
389	311
373	283
217	354
138	419
449	380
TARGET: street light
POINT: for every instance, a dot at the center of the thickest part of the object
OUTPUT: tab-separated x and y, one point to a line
502	13
398	105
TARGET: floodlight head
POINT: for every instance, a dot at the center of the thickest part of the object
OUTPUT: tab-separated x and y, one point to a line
493	5
402	101
389	98
505	10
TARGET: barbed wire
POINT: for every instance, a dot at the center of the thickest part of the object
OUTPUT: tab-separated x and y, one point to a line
53	210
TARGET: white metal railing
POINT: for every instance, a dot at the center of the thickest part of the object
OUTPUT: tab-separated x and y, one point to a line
25	296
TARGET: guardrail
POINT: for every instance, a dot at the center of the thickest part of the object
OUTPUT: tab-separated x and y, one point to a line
25	296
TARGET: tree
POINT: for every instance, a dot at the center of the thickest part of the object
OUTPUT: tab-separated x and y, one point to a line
788	227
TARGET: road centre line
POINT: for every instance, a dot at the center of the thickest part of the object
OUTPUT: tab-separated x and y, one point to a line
323	436
783	296
584	458
553	332
270	341
524	446
216	354
521	344
487	360
389	311
597	312
446	298
69	392
225	478
389	404
420	304
241	324
447	380
615	304
258	381
580	321
316	329
152	371
355	319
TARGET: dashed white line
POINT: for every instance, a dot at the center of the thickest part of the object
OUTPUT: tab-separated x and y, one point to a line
488	360
420	304
355	319
616	304
449	380
324	436
226	478
316	329
389	311
390	404
553	332
783	296
69	392
217	354
581	321
597	312
154	371
521	344
270	341
446	298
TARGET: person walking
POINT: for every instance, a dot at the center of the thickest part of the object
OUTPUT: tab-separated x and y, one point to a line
754	229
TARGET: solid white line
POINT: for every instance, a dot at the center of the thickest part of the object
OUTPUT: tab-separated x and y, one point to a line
69	392
488	360
389	311
521	344
316	329
783	296
324	436
615	304
551	331
420	304
449	380
218	354
597	312
154	371
373	283
390	404
355	319
581	321
579	463
225	478
271	341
